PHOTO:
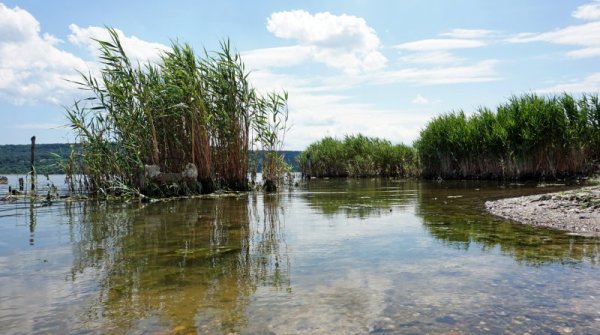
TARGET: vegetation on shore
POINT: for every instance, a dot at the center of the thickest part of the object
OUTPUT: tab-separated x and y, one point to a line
358	156
529	137
183	110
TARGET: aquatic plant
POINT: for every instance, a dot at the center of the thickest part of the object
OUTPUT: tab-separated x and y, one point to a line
357	156
530	136
183	109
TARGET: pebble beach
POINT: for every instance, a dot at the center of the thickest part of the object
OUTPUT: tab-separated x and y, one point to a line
576	211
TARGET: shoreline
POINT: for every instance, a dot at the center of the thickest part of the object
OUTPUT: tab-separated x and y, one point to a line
576	211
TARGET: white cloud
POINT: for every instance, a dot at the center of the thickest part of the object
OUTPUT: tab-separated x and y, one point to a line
343	41
586	36
589	84
278	57
440	44
420	100
444	66
590	11
482	71
135	48
585	52
314	116
319	106
431	57
32	67
468	33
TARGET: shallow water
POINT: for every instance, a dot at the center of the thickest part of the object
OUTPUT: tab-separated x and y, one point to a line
330	256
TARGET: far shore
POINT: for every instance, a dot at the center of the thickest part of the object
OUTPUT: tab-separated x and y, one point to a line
576	211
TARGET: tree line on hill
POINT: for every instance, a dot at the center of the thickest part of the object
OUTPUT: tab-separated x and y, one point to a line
16	158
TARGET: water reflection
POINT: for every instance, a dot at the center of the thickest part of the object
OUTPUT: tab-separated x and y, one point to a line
184	265
361	198
307	261
453	212
32	223
268	248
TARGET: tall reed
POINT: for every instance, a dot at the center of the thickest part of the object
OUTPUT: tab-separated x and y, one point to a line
358	156
530	136
183	109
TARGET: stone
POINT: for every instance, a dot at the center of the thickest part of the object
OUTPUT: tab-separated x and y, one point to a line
151	171
190	172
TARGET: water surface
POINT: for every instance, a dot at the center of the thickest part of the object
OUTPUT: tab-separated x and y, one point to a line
330	256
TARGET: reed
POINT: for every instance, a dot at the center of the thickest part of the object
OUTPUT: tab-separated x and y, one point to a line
530	136
358	156
184	109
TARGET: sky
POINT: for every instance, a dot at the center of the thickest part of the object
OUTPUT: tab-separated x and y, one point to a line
379	68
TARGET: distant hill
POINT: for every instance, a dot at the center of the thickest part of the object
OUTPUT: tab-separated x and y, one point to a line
16	158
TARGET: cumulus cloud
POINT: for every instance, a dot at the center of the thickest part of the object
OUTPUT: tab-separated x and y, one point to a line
135	48
343	41
35	69
32	66
590	11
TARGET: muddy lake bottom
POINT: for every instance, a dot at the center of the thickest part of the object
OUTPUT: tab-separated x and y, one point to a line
327	257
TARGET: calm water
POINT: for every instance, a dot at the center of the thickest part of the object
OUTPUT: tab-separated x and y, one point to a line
347	257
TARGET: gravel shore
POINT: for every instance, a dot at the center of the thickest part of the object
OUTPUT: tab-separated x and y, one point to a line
577	211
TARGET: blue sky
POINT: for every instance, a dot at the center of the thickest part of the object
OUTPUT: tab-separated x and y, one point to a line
381	68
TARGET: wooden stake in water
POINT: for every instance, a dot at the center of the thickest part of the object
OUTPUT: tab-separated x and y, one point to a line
32	160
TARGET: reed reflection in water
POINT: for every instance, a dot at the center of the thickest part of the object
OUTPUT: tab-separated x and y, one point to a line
331	256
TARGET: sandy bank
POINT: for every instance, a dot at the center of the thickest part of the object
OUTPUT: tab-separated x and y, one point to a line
577	211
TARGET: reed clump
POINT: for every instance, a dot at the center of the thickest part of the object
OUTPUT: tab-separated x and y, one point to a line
529	137
192	119
358	156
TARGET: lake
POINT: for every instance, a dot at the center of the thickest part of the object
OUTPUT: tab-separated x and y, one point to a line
329	256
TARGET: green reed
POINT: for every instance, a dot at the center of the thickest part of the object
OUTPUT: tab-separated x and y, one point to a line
182	109
358	156
530	136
